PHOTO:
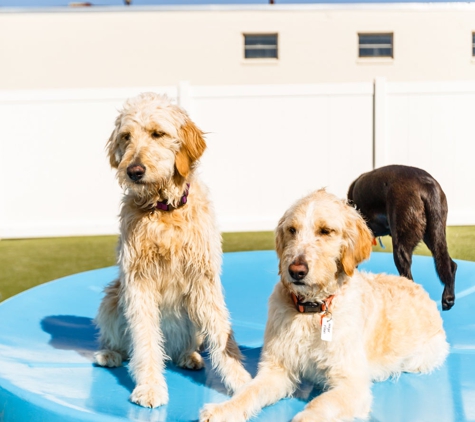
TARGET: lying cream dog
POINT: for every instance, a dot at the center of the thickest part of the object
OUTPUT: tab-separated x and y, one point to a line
333	325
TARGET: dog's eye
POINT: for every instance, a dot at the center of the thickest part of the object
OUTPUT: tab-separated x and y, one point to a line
126	136
325	231
292	230
157	134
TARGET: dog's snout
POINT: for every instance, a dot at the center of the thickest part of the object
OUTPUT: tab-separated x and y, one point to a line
298	269
136	172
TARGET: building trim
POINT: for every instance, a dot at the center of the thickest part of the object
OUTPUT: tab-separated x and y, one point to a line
247	8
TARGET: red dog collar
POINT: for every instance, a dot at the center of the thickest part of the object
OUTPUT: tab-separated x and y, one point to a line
165	206
312	307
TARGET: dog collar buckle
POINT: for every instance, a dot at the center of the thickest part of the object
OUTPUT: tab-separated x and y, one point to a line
312	307
165	206
307	307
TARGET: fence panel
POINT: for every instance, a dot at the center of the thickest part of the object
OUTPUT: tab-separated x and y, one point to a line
268	146
55	179
430	125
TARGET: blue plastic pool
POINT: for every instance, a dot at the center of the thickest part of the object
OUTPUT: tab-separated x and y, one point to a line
47	340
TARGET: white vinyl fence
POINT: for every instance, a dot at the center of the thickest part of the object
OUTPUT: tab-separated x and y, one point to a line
432	126
267	146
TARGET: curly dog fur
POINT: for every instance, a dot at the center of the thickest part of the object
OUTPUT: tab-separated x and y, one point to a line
168	298
382	324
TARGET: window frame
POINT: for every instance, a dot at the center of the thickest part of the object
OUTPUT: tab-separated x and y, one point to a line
375	46
261	47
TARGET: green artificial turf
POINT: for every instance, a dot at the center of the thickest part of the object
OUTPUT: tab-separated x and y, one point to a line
26	263
460	239
248	241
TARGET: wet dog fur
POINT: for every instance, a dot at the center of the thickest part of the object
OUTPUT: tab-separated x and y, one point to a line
383	324
168	298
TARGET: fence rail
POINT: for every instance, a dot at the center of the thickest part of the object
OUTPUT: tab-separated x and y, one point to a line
267	146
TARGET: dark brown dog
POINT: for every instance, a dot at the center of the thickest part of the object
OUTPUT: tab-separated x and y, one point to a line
408	204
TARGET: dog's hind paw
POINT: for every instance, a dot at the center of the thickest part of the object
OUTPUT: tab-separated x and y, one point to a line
193	361
108	358
149	395
448	299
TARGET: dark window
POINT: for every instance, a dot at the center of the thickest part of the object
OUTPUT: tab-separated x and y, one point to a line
260	46
473	44
375	45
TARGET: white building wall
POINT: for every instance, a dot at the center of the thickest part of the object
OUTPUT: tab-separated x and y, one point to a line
159	46
277	128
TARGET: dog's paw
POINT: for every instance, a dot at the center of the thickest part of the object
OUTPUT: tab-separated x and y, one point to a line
305	416
193	361
108	358
220	413
448	299
149	395
313	415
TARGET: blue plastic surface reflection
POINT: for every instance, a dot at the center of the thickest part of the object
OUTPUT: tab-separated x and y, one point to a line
47	339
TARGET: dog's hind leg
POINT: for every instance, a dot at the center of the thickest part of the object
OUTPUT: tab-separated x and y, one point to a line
407	225
402	254
208	312
113	339
182	341
428	356
446	269
435	239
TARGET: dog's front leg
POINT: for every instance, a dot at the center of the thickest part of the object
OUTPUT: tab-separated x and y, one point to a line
208	311
147	354
349	398
271	384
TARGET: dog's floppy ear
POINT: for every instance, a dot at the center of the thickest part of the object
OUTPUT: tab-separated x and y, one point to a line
192	147
112	146
358	243
279	237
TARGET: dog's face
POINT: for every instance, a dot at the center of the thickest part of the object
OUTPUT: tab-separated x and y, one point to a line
153	142
318	239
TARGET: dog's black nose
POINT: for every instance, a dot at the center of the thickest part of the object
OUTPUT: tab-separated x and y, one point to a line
298	269
136	172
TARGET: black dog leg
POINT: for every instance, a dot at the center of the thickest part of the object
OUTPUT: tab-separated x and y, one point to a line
444	266
403	259
405	235
435	239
